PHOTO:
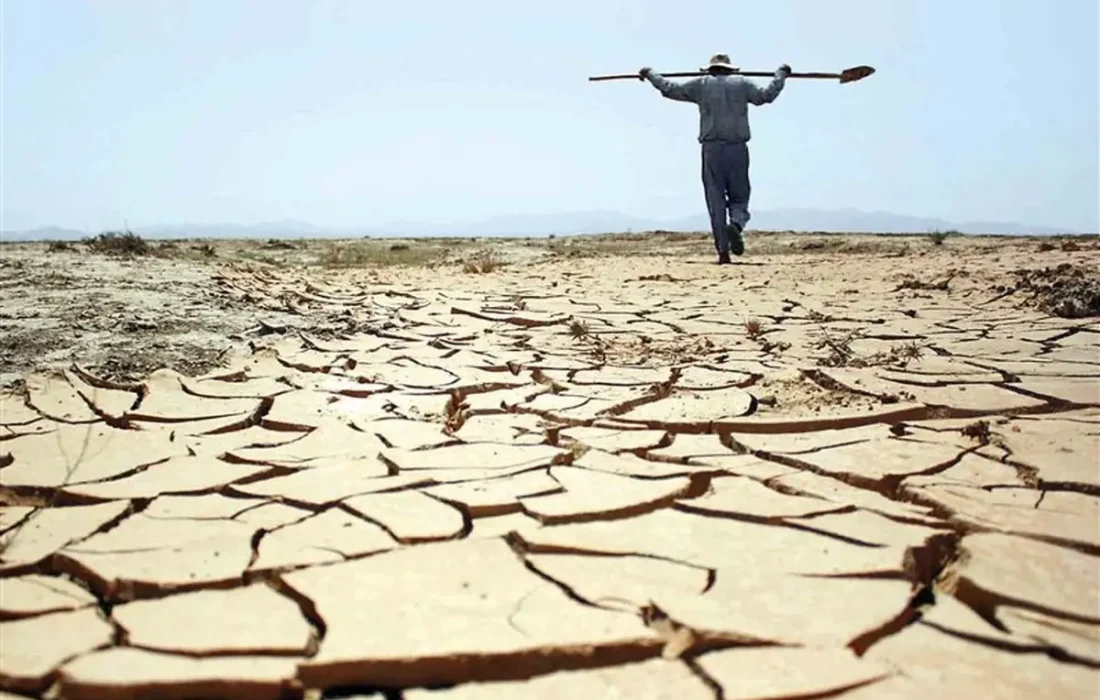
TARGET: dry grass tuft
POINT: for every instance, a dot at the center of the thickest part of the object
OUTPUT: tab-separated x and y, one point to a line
455	414
483	262
579	329
754	328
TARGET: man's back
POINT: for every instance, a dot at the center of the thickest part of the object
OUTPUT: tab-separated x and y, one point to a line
723	102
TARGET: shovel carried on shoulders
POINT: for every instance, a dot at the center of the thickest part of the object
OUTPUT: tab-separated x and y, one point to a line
848	75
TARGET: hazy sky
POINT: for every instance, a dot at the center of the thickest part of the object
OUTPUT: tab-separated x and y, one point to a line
367	112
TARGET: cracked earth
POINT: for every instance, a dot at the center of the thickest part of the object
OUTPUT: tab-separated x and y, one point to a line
806	476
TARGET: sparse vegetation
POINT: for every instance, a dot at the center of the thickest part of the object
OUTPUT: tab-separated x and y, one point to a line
838	347
118	243
275	244
899	355
841	354
59	247
483	262
940	237
911	282
370	253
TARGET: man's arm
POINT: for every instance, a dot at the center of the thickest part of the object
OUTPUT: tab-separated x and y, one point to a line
767	95
681	92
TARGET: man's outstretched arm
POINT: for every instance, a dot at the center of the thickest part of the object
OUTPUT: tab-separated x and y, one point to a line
681	92
767	95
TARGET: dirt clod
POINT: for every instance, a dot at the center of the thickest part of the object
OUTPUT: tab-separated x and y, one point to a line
1067	291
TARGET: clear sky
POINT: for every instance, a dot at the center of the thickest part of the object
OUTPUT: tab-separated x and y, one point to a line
348	113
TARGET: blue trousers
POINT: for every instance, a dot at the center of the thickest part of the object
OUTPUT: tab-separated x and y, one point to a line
727	188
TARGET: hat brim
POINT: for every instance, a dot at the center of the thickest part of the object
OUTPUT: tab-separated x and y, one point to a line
720	65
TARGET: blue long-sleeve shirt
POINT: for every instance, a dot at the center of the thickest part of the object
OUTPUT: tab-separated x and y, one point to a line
723	102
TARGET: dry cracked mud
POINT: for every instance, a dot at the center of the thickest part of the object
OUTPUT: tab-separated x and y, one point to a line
810	475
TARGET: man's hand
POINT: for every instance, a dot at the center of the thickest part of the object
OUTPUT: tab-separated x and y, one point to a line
644	73
784	70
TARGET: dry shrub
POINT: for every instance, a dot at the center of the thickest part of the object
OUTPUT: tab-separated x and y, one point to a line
940	237
118	243
978	430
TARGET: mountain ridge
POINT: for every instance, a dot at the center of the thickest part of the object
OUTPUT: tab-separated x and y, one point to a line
565	224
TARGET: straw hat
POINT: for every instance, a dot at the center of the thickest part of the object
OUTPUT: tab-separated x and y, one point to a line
720	60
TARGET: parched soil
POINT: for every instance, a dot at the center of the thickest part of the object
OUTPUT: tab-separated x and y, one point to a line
846	466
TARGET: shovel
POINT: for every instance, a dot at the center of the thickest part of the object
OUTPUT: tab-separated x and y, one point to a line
848	75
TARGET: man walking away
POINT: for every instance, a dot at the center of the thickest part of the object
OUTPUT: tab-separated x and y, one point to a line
723	98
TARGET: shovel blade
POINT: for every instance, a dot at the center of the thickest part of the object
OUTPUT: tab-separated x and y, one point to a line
851	75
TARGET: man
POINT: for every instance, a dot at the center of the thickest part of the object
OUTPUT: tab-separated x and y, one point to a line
723	100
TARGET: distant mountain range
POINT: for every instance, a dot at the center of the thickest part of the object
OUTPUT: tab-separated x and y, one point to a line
566	224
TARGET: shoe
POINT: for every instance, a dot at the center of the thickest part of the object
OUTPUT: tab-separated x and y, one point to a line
737	243
723	258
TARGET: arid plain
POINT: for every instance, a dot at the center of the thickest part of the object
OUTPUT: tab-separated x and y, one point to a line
846	466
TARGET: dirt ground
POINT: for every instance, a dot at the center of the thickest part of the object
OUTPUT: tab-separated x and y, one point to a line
847	466
124	316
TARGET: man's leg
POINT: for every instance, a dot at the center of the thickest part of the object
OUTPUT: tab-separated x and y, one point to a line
714	187
739	188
